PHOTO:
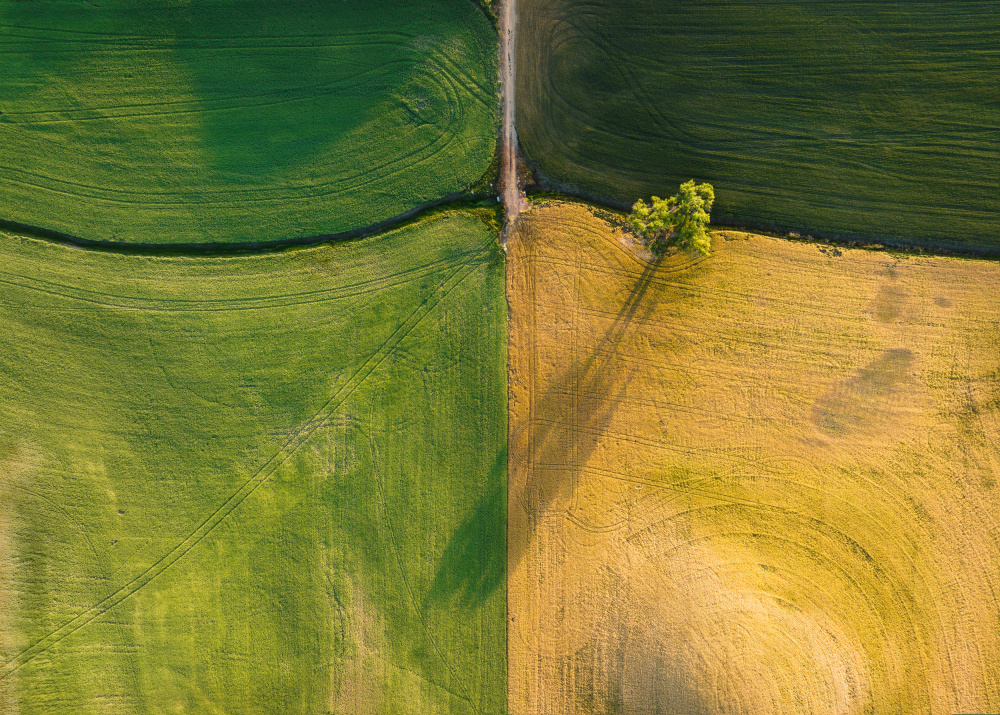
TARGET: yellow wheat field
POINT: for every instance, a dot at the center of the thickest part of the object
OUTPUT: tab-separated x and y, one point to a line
759	482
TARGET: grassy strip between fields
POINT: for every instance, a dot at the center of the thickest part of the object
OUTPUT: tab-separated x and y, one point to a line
255	484
484	207
616	213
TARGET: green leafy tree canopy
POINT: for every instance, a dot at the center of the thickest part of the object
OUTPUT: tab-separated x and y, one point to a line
678	221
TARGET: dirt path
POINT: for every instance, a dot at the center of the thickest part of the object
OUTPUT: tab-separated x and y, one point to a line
513	198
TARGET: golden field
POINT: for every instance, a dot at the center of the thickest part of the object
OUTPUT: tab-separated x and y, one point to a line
759	482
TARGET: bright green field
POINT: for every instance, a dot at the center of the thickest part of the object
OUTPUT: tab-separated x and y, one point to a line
212	121
868	118
270	484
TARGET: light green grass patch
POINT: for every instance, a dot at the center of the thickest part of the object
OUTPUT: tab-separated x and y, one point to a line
257	484
239	121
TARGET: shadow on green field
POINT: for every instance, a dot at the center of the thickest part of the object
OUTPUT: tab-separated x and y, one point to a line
290	81
472	566
273	85
215	121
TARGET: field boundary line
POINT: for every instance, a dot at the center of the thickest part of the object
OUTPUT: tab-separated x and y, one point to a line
456	202
554	191
513	196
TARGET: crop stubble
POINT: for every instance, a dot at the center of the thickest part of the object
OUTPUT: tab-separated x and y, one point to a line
759	482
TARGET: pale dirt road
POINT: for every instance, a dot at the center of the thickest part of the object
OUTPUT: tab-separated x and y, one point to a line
513	197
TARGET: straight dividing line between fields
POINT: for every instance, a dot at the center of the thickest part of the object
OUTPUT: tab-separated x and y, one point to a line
291	445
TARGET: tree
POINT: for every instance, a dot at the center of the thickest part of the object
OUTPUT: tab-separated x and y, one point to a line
678	221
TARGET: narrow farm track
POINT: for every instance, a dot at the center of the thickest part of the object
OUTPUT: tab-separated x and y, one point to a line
513	198
720	464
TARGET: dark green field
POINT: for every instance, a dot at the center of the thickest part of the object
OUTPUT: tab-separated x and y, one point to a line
268	484
878	119
190	122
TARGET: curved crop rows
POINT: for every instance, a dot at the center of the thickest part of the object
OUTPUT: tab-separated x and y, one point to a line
761	482
254	122
850	119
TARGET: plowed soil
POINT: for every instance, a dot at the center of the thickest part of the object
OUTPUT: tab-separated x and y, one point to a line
759	482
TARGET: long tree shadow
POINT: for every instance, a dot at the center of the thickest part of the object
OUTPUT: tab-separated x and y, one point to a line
473	566
567	421
473	563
